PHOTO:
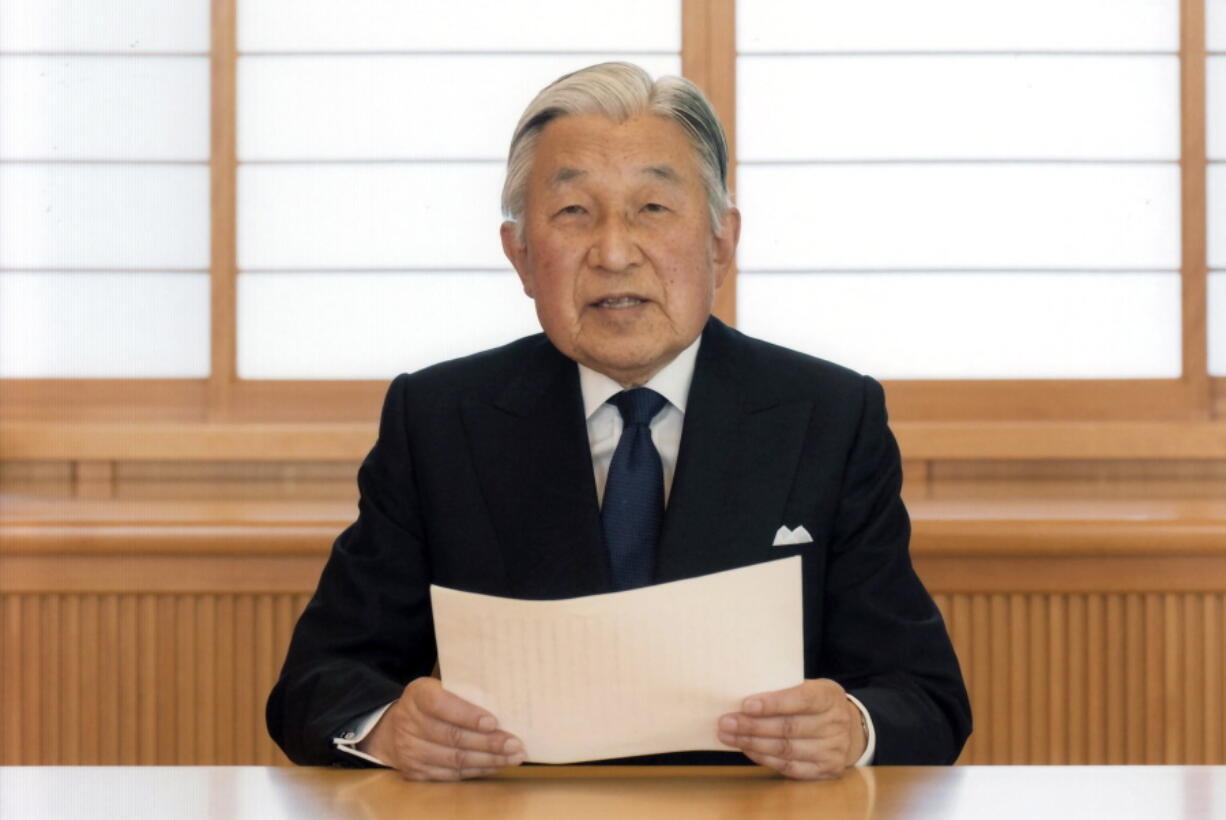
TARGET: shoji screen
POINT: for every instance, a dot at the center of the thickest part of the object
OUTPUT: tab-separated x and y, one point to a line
1215	86
372	137
104	189
959	189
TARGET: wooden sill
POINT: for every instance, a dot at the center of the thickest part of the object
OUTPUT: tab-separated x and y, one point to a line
946	528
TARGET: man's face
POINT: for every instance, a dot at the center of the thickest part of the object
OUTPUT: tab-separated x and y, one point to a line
618	251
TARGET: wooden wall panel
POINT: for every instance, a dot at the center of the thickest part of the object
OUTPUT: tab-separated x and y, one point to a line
141	679
1092	678
180	679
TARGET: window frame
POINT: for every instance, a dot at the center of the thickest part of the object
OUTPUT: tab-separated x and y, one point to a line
709	58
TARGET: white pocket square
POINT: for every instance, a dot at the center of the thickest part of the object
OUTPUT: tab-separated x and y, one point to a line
785	537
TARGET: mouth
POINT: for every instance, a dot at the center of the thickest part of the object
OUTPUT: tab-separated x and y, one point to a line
620	302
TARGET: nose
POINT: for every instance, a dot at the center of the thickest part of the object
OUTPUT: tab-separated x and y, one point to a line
614	247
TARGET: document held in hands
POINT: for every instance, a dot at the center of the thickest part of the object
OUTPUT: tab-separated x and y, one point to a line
626	673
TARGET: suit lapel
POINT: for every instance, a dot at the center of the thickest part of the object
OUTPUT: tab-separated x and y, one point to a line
534	466
740	446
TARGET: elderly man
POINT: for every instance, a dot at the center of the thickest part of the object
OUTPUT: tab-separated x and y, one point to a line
638	440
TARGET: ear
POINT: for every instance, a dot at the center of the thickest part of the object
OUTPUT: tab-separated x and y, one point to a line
517	254
725	245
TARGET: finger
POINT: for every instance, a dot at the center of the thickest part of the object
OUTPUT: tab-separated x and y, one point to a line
795	769
425	772
450	734
810	697
780	747
781	726
429	696
422	751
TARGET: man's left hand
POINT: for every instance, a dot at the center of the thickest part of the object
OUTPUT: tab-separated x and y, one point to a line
808	732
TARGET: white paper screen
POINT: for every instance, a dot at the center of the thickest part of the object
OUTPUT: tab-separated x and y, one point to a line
373	325
380	215
1217	323
1217	214
1216	123
104	216
124	26
958	25
972	325
959	216
104	325
454	106
1215	107
1215	25
459	25
958	107
114	108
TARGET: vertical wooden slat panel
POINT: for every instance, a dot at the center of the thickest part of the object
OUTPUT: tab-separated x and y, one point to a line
1117	718
70	680
1019	699
1075	693
1040	692
1077	678
49	683
263	662
245	713
1134	614
33	700
1172	643
206	674
109	684
1057	659
1192	676
981	677
224	683
184	630
129	673
1214	715
286	616
960	633
1096	681
1154	679
13	709
89	697
147	749
166	696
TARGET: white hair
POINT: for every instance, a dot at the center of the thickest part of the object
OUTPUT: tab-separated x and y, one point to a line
619	91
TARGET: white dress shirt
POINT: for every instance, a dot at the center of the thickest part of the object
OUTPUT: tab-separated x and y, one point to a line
604	430
604	421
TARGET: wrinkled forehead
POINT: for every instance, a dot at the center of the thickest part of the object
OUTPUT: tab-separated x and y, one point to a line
575	148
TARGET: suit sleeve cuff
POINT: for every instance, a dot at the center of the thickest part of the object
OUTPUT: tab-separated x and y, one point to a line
350	738
870	745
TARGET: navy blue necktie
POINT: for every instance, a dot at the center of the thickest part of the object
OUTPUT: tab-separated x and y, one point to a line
633	508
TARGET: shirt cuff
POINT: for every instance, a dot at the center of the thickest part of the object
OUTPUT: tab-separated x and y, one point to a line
870	745
351	737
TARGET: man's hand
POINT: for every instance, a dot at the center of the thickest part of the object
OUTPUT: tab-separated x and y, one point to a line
809	732
431	734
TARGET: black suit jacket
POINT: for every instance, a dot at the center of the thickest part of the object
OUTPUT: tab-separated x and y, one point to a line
481	480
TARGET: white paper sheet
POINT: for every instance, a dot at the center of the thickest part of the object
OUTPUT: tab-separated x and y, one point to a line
627	673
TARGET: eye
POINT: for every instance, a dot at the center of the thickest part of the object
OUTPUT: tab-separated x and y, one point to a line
654	208
571	210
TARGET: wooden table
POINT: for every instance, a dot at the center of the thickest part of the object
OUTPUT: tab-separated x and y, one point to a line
594	793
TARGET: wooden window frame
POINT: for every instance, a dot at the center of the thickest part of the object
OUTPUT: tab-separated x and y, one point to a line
709	58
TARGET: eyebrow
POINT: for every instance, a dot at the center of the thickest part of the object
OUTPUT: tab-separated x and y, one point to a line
564	174
664	173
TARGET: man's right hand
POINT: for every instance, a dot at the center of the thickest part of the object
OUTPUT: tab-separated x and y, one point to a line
431	734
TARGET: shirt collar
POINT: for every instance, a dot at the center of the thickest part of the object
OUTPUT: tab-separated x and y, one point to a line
672	382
